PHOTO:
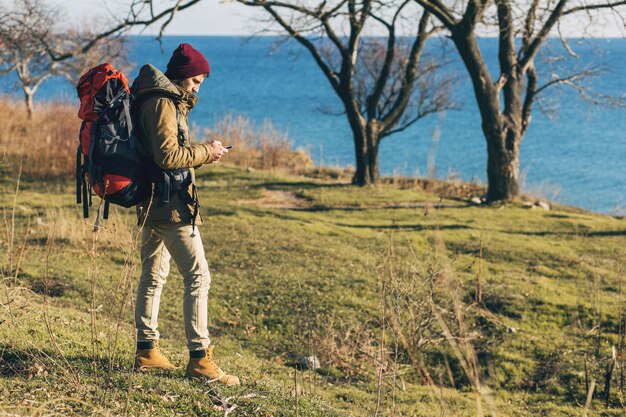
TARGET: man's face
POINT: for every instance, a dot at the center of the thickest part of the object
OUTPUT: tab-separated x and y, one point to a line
192	84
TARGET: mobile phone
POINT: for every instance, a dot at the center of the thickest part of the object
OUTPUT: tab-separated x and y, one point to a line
229	147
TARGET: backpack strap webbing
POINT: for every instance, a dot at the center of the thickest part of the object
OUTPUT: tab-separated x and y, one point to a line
196	207
81	182
86	199
135	105
129	123
79	170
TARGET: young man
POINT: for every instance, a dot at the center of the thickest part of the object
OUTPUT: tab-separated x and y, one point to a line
170	217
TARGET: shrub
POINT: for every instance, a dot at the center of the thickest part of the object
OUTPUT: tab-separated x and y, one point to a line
262	147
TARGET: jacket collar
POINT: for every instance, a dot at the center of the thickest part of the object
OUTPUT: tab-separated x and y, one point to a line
187	101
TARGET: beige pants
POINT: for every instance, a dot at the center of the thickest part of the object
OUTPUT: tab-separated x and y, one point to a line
159	244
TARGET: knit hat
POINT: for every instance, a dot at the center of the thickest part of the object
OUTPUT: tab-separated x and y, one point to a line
186	62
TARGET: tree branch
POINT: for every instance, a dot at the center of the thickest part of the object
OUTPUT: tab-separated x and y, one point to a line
318	13
383	76
401	102
535	44
529	26
608	5
473	14
506	43
169	19
440	11
356	26
332	35
330	75
529	99
129	22
406	125
571	78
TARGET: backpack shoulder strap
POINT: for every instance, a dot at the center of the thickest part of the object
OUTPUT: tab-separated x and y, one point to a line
137	102
143	98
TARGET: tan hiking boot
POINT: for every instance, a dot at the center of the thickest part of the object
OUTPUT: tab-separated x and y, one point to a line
152	358
206	368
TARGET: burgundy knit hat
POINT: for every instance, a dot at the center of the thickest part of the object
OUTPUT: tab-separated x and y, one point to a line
186	62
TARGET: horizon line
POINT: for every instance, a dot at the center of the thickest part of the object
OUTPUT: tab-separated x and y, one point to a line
365	36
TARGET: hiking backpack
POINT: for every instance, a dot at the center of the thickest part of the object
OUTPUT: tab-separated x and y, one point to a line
108	158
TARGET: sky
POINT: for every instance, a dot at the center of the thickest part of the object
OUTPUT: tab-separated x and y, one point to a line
227	17
209	17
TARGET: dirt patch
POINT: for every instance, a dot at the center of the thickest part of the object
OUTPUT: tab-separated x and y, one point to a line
423	205
51	287
287	200
279	199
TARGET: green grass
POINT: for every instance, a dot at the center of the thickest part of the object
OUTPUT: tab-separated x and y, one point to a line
290	281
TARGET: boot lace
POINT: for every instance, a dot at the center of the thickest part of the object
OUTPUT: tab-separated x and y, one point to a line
209	358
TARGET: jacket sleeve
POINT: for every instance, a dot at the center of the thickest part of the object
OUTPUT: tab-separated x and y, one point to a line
158	119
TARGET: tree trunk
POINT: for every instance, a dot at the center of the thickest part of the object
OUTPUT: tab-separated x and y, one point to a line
28	98
372	141
366	160
360	177
366	148
502	163
372	164
366	140
502	129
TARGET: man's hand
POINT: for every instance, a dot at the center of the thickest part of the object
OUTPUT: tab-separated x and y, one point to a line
217	151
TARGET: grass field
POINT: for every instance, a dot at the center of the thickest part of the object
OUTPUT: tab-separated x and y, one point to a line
416	304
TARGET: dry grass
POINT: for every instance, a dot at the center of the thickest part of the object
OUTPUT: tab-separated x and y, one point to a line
47	143
451	188
263	147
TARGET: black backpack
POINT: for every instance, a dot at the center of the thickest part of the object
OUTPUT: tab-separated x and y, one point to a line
108	159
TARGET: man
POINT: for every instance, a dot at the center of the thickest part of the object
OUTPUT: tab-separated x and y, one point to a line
170	215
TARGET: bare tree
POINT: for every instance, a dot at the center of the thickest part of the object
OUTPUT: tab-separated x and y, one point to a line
22	52
374	77
506	103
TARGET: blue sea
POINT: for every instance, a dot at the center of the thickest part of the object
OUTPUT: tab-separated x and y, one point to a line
576	156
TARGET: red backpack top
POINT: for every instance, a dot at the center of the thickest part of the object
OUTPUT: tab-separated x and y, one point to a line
91	83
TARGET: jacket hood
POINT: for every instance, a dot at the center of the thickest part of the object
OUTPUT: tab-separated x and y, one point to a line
151	79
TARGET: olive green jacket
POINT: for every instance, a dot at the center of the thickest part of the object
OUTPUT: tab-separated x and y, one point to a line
159	138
